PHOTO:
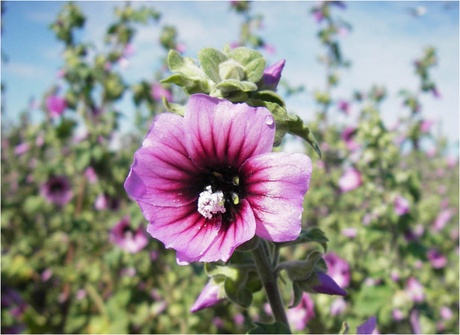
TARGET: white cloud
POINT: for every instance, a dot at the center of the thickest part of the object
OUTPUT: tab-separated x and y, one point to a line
24	70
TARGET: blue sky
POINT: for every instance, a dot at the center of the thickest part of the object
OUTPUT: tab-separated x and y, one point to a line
382	45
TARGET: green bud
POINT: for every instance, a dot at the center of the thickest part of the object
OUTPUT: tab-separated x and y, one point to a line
231	69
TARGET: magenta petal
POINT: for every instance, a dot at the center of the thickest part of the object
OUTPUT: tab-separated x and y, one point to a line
185	230
275	187
240	230
225	134
162	171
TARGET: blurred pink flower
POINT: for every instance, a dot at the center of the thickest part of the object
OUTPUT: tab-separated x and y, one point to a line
349	232
398	315
446	313
91	175
415	290
158	92
437	260
338	306
55	105
415	322
57	190
344	106
130	240
350	180
300	316
347	136
21	149
425	126
442	219
338	269
401	205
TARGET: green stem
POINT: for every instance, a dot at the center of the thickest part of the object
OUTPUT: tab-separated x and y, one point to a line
269	280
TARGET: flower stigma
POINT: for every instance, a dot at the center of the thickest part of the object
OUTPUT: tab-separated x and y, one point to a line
210	203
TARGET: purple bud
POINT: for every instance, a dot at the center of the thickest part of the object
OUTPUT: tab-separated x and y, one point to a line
272	74
327	285
208	297
367	327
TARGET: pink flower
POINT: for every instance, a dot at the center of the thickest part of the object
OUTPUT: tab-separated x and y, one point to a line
401	205
343	106
347	136
437	260
338	306
349	232
414	290
425	126
209	296
21	149
446	313
442	219
207	182
158	92
398	315
300	315
338	269
57	190
91	175
130	240
350	180
55	105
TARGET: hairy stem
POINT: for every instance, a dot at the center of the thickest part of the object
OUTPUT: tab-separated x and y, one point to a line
269	280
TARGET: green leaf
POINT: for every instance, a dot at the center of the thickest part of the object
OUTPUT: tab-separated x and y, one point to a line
302	270
309	235
270	328
209	60
298	293
232	85
214	269
269	96
237	294
253	62
173	108
297	127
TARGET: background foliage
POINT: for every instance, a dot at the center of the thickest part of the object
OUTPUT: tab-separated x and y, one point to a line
63	272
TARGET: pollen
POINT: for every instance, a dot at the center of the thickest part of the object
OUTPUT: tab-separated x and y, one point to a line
210	203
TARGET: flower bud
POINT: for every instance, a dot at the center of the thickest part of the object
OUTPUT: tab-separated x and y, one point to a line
231	69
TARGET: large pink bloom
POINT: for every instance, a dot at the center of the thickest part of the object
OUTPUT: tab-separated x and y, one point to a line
208	182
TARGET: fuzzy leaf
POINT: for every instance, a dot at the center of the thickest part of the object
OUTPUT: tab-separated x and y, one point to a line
297	127
232	85
210	59
173	108
237	294
252	61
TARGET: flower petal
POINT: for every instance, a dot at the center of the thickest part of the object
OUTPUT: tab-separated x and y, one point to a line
184	229
162	173
275	185
220	133
241	230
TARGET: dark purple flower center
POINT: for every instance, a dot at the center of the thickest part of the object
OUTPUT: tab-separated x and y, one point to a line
226	189
57	186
